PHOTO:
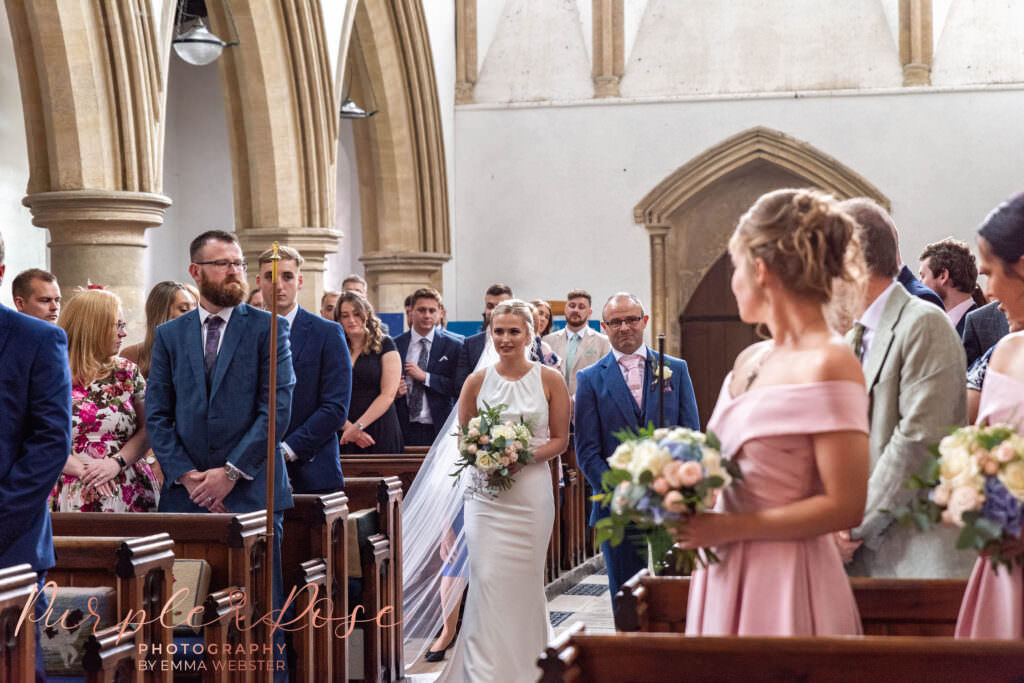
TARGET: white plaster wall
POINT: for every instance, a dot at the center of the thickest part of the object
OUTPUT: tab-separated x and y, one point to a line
24	244
197	170
693	46
348	219
982	42
546	193
488	16
633	12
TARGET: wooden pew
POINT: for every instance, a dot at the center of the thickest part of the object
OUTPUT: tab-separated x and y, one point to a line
575	511
382	564
405	466
656	657
315	528
17	647
908	607
140	572
552	562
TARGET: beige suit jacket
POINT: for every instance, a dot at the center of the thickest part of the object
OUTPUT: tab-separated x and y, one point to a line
593	347
915	371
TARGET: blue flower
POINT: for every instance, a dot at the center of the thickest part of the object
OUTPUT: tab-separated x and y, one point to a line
1002	508
683	451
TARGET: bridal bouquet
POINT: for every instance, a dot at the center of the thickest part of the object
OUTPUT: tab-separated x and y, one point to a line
975	481
657	478
489	447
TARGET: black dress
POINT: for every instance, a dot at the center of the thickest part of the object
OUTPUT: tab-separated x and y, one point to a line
385	430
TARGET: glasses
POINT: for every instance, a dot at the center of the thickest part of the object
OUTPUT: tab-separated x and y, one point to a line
225	265
122	326
619	322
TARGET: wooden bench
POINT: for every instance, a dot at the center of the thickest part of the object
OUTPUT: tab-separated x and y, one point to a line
140	572
382	575
908	607
17	647
315	528
405	466
657	657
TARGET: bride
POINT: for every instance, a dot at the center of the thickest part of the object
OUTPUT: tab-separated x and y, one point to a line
505	624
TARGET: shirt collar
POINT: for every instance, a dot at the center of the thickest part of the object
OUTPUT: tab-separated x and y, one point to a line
290	316
959	311
871	317
224	314
416	336
639	353
570	334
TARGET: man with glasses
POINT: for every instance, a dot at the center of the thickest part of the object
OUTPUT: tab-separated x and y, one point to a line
207	402
580	345
619	392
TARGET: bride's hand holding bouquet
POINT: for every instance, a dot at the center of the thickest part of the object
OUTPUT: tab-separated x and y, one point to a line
493	450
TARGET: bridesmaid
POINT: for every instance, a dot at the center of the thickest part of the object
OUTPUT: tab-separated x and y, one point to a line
793	415
993	605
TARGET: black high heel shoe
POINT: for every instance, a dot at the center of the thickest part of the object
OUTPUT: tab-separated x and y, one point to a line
437	655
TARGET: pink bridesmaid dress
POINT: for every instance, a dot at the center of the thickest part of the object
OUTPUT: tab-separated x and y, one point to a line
794	587
993	605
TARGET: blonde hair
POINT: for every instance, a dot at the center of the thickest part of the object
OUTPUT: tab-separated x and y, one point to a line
516	307
90	321
364	309
804	237
158	311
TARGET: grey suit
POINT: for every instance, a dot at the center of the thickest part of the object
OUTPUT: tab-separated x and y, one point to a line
983	327
915	374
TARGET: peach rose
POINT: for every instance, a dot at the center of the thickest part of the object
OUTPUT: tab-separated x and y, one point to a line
690	473
672	473
1004	452
673	502
660	486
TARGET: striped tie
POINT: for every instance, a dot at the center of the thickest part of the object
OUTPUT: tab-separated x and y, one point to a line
634	377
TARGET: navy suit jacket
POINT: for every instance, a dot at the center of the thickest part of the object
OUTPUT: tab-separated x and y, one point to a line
916	288
604	405
323	387
35	434
191	428
472	349
441	389
982	328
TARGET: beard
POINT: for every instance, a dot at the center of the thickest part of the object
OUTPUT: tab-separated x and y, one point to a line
228	293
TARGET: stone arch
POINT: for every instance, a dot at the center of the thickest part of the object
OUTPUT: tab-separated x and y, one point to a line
691	213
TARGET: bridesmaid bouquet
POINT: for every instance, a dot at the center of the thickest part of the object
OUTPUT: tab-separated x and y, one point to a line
488	447
657	478
974	481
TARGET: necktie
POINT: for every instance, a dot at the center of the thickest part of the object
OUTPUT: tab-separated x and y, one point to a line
213	324
857	343
416	390
570	354
633	366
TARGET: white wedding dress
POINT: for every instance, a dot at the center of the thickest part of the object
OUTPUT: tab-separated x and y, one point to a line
505	626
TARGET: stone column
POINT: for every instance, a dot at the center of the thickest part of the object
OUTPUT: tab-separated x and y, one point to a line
916	41
313	243
659	291
99	236
609	45
392	276
465	50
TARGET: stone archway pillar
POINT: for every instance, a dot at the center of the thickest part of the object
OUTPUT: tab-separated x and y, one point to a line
659	286
99	236
392	276
313	243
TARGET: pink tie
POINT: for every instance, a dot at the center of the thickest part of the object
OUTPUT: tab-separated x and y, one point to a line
634	376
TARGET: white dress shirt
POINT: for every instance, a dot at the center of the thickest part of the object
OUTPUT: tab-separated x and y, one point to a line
872	317
413	356
959	311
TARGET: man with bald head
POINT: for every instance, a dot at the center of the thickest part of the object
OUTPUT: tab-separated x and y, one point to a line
618	392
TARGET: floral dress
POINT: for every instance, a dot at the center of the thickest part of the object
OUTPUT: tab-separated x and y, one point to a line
103	420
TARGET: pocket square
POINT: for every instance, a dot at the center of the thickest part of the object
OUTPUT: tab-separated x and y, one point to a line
442	359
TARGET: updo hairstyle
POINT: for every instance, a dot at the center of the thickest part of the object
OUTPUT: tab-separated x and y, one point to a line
516	307
804	238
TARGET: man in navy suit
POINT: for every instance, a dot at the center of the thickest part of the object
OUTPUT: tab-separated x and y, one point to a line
207	405
473	346
983	327
618	392
430	355
323	380
35	439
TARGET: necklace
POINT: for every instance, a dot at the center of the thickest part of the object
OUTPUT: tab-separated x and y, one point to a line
754	371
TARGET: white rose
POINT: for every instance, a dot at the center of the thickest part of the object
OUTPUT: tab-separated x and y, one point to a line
622	456
648	456
486	462
712	461
963	499
474	423
958	468
1012	477
503	431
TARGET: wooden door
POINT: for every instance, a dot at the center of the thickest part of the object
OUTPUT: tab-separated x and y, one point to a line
712	335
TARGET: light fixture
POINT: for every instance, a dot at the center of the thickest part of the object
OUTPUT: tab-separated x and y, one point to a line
196	44
351	110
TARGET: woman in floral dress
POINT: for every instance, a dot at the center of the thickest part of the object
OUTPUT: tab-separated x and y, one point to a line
105	471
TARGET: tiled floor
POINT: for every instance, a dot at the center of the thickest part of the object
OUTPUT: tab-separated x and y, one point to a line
585	601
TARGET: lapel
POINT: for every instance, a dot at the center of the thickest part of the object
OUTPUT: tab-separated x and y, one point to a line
436	350
402	344
650	395
6	316
883	337
232	335
580	349
193	331
622	397
300	332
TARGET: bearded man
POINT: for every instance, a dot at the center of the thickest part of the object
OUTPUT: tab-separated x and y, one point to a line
207	405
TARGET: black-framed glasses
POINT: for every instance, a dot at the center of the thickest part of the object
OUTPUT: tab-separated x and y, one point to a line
224	265
619	322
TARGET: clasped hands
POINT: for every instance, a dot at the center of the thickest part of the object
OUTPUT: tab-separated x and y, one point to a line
209	488
96	473
354	434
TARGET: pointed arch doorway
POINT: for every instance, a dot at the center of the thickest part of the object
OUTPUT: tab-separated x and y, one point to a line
689	217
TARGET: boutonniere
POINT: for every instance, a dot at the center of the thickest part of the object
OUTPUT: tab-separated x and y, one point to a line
662	375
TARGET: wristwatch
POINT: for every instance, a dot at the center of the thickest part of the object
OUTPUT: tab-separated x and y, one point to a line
150	459
359	426
232	472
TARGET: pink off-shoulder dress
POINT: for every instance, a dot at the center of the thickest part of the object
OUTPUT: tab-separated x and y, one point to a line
777	588
993	605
